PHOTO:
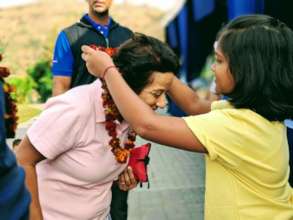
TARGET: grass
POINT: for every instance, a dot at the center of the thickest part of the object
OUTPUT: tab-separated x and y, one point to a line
27	111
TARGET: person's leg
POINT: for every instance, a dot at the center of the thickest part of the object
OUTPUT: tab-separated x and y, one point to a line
119	203
290	142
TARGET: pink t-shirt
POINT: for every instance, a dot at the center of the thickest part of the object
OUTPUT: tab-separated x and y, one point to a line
75	180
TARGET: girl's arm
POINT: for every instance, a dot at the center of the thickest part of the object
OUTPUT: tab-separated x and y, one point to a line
187	99
165	130
27	156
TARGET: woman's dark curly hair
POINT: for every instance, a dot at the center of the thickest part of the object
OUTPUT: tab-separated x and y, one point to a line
259	50
140	56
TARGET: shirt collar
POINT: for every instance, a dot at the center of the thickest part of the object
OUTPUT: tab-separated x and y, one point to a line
222	104
102	29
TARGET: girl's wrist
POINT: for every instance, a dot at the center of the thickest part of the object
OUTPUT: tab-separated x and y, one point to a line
107	69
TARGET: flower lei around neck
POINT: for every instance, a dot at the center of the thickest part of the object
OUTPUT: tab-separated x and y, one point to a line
10	108
112	116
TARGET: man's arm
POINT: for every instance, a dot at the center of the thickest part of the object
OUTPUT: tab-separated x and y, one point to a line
62	65
60	84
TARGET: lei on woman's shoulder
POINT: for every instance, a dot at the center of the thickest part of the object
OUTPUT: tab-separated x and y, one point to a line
113	115
10	109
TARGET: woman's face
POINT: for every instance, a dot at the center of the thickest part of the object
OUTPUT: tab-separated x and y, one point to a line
224	80
154	92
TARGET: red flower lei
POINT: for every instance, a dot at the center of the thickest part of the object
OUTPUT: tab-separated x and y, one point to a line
10	110
112	116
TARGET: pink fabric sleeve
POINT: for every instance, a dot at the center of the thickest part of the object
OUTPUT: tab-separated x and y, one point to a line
58	127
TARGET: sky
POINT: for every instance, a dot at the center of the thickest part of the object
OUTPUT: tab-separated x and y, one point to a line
161	4
9	3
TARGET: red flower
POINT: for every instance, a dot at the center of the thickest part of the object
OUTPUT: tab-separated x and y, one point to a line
110	125
110	51
112	133
4	72
129	144
121	155
112	114
93	46
115	142
10	107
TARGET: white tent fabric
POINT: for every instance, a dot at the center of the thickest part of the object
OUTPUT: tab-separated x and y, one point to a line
12	3
164	5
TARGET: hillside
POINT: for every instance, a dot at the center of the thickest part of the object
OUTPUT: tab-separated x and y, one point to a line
28	32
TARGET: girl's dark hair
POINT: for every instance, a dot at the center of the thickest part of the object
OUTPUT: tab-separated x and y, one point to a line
259	50
140	56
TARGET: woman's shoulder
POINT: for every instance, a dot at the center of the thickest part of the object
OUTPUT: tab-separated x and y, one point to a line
80	97
84	93
224	115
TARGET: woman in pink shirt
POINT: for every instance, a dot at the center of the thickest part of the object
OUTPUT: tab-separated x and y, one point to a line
68	154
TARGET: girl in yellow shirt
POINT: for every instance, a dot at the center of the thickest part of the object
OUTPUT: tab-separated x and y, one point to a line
244	137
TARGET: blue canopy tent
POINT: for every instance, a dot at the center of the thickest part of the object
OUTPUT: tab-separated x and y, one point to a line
191	35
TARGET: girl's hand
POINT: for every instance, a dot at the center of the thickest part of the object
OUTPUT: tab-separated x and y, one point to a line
96	61
127	180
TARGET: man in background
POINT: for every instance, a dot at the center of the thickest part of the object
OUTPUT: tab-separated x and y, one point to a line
94	28
69	70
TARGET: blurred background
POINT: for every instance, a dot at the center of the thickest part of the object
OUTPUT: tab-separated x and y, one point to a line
29	29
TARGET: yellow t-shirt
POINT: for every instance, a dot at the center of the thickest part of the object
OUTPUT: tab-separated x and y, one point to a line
247	165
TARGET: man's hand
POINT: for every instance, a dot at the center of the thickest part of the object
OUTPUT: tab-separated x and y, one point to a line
127	180
96	61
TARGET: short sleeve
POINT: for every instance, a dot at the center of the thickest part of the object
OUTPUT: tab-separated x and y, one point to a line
58	128
62	64
218	134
